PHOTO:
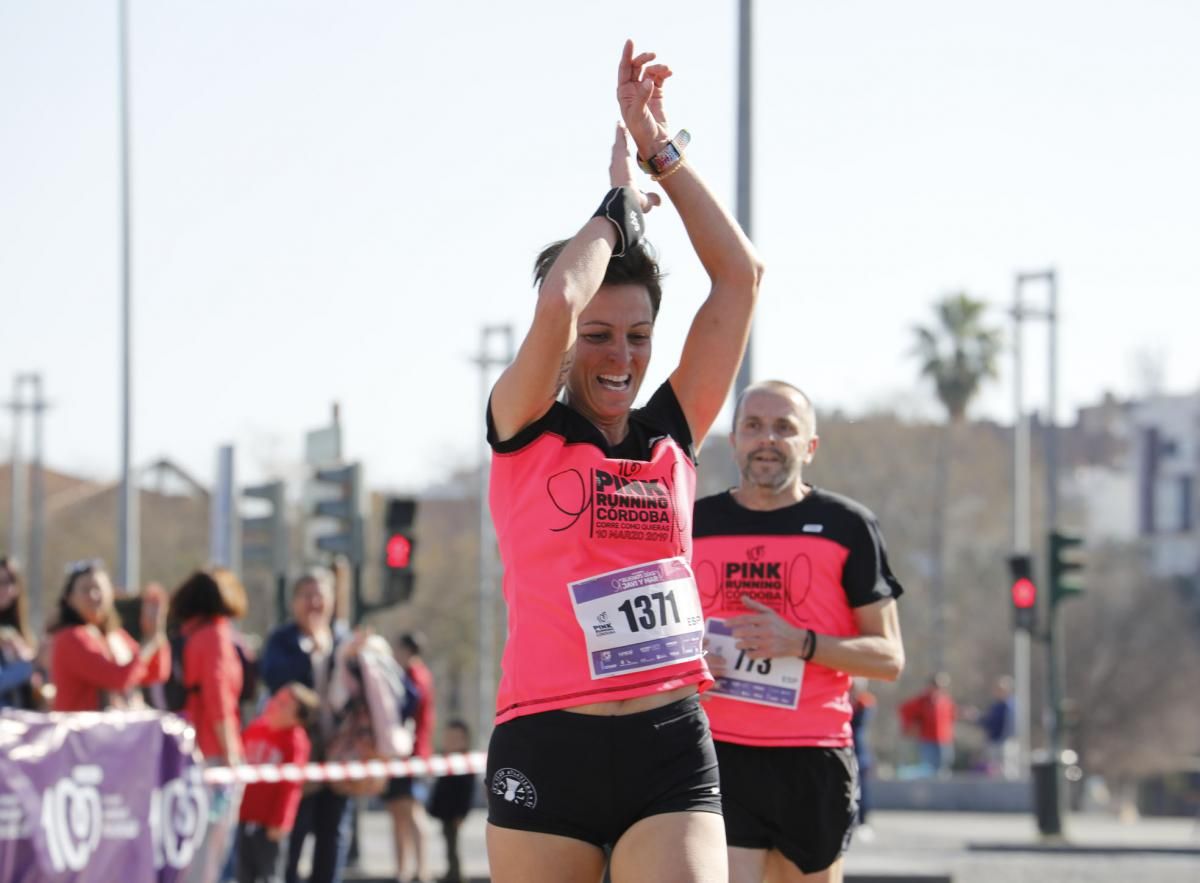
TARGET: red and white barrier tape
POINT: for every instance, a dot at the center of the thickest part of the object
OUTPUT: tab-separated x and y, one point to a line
441	765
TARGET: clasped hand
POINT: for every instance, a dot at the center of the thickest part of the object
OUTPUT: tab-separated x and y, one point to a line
765	634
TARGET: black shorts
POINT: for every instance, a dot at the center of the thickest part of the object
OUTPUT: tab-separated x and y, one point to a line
591	777
800	801
398	787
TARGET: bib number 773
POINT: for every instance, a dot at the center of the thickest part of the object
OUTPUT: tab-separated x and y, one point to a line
774	682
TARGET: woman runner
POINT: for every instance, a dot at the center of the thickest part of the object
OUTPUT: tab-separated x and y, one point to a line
599	739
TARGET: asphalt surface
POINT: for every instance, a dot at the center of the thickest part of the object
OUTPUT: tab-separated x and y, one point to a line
920	847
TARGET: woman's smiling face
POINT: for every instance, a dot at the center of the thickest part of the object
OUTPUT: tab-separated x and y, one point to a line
611	353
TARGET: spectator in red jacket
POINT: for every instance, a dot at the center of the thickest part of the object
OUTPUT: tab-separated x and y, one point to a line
203	608
929	716
401	797
268	810
94	663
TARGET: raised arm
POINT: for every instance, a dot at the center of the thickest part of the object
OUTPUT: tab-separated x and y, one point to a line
528	386
715	343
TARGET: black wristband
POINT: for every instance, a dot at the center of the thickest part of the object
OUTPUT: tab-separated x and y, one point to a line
810	646
620	205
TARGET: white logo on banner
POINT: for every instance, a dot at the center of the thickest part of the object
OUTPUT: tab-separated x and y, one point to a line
178	817
71	817
76	817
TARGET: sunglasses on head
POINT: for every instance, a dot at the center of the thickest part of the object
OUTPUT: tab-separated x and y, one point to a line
83	565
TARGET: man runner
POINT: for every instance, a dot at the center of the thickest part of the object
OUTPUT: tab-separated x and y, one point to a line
798	598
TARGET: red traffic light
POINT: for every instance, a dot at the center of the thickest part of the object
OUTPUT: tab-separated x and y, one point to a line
399	551
1024	594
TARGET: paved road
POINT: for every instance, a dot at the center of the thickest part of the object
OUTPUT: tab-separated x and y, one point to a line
959	847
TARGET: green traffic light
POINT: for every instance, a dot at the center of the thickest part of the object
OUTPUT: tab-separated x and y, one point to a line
1065	564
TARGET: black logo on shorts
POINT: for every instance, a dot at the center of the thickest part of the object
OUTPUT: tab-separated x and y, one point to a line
515	787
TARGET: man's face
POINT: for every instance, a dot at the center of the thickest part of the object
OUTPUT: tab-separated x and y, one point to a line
312	606
772	439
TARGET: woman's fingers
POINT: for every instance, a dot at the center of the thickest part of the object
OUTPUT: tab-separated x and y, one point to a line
636	65
626	64
658	73
621	141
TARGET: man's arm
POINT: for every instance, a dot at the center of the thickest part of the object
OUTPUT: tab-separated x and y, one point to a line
876	652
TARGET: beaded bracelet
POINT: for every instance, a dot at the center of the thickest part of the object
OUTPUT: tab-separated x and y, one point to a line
669	172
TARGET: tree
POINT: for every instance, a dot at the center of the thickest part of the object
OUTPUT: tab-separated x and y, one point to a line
958	353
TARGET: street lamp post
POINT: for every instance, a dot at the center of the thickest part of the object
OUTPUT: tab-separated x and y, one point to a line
127	528
496	350
1050	798
745	130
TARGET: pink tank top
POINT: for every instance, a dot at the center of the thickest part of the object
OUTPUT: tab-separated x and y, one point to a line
813	563
596	544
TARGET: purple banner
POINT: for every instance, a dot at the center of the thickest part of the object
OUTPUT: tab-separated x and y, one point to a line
647	654
98	797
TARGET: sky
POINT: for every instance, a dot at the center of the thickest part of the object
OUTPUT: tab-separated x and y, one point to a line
329	201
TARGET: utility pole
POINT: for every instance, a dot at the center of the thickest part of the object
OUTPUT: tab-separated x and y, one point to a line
33	493
496	349
37	517
745	127
1021	540
1048	775
16	509
128	533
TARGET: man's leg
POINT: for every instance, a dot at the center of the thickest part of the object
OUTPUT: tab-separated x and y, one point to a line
781	870
450	834
331	824
747	865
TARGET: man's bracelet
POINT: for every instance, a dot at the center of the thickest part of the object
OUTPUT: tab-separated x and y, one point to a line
810	646
620	205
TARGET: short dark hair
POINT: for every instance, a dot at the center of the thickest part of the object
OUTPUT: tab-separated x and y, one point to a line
211	592
15	615
412	642
457	723
638	266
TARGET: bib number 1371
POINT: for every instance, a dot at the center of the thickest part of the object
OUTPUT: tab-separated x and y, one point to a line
640	617
650	611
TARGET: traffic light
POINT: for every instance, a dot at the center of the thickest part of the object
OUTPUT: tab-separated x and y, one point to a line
342	504
1024	592
398	541
265	538
264	541
1065	565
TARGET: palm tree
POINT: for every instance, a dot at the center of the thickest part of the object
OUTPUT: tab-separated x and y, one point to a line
958	353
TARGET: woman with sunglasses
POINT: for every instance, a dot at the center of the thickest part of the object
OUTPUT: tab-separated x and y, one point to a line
17	646
96	664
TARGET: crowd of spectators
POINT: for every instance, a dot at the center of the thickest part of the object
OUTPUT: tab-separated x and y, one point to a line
183	652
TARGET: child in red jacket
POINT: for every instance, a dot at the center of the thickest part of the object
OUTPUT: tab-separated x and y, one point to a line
269	808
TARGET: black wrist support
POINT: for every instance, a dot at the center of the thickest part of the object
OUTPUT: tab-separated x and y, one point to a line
620	205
